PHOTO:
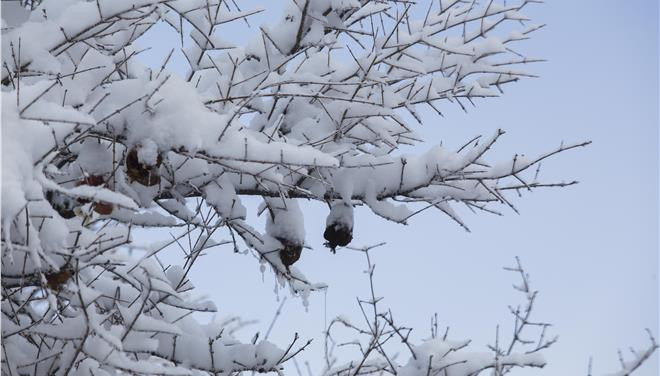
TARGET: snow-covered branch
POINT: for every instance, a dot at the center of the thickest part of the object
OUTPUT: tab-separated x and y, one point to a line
315	106
638	358
288	116
380	339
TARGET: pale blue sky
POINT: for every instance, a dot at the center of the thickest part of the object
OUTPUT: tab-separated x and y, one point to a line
592	249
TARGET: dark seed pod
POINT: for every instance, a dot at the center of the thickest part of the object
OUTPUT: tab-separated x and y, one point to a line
56	280
142	173
290	253
339	225
337	234
104	208
92	180
63	204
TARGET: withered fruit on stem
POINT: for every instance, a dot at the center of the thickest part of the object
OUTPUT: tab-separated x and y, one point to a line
290	253
62	204
337	234
57	279
102	207
92	180
142	173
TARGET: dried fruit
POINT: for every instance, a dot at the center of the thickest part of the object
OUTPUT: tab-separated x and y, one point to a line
142	173
92	180
102	207
337	234
63	204
56	280
290	253
339	225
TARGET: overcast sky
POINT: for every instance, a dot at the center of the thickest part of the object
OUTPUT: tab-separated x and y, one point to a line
592	249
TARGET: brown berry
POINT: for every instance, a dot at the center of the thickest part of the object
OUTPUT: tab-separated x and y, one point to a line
55	280
62	204
142	173
290	253
337	234
104	208
92	180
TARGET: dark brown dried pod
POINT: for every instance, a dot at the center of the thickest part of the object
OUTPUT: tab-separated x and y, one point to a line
142	173
290	253
63	204
337	234
101	207
339	225
92	180
104	208
56	280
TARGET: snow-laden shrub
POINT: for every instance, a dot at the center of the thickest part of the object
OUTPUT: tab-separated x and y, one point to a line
313	108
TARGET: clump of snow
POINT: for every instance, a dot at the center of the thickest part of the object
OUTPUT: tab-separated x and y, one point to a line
285	220
148	152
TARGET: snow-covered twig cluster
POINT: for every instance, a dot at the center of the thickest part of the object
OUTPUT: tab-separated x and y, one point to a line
638	358
314	107
380	339
376	344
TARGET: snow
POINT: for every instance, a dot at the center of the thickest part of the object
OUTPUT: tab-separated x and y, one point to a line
148	152
285	220
303	111
341	212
